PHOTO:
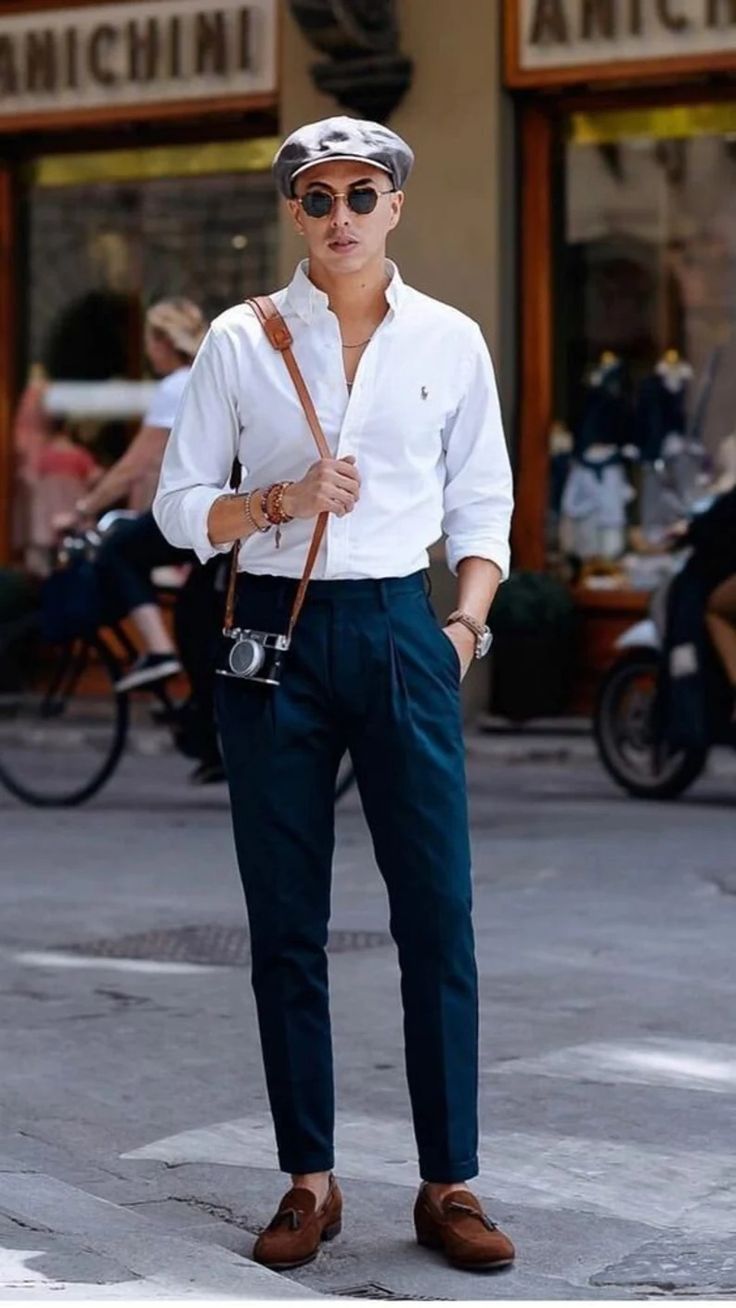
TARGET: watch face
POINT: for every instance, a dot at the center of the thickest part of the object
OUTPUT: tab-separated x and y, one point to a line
484	644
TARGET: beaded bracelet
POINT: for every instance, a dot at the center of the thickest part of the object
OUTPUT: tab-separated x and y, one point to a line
272	504
249	513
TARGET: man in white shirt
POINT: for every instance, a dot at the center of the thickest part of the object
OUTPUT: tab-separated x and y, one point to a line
405	394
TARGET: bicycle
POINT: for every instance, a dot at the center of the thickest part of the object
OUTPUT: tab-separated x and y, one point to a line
64	725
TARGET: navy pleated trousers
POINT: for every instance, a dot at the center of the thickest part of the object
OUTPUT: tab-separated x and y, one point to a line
369	671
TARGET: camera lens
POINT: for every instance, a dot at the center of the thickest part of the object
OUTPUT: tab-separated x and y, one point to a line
246	658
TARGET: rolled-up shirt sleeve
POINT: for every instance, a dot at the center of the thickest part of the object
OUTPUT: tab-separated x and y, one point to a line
199	453
478	492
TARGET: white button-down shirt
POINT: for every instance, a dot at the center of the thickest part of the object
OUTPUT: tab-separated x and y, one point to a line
422	420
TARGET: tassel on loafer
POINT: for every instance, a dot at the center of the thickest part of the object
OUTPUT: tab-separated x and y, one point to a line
459	1227
294	1234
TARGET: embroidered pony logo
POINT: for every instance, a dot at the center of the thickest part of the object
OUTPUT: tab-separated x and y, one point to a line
424	392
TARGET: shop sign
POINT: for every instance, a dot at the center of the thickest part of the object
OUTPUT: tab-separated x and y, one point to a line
591	40
153	51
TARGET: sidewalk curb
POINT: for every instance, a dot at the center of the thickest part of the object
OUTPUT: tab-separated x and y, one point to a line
168	1262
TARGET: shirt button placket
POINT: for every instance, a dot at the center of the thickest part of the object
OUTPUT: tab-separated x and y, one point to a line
337	525
330	343
350	442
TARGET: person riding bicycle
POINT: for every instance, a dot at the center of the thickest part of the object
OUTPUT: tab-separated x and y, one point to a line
174	330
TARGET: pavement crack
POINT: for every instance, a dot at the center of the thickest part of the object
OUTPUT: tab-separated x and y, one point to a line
122	999
22	992
118	1005
222	1212
85	1017
27	1226
666	1290
374	1290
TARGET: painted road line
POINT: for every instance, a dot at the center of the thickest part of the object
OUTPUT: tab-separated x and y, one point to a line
672	1063
148	967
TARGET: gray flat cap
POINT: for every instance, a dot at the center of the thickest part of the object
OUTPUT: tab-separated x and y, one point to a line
341	138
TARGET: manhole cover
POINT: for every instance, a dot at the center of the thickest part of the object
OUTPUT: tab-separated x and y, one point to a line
218	945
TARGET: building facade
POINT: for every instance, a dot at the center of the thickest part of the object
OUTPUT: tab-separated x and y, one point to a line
572	192
135	140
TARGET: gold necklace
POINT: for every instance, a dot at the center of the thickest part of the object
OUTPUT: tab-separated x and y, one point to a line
360	344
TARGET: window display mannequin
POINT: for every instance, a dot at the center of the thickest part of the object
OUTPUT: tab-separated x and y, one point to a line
605	418
561	443
673	458
597	490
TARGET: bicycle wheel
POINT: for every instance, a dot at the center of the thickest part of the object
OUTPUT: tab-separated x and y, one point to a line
62	724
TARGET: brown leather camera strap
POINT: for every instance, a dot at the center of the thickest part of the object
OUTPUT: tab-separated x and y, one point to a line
281	339
229	619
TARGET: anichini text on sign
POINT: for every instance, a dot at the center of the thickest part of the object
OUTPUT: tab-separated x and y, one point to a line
567	33
148	50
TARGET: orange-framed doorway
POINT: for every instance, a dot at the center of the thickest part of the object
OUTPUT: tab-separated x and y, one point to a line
8	358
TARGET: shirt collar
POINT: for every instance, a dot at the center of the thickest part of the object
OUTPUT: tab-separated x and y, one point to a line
306	300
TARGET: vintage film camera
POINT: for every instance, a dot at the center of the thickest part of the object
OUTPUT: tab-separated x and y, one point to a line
252	655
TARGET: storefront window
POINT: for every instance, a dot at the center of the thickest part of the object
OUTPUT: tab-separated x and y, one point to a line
645	365
99	250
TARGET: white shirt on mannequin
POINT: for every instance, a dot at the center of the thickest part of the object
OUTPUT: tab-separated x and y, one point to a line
422	420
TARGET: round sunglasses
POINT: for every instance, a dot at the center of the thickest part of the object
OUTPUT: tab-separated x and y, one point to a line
361	199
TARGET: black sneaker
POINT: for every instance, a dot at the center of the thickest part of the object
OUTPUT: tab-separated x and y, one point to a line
147	669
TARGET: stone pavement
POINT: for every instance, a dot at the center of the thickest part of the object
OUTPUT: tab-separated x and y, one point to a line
136	1154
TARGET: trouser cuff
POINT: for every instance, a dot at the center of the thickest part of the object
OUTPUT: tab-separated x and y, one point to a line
438	1171
298	1164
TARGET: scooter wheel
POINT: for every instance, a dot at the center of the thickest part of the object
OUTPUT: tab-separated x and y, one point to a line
623	727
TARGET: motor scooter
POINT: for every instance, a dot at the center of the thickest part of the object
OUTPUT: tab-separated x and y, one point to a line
625	723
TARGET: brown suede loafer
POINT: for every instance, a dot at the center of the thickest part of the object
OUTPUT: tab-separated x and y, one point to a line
293	1235
459	1227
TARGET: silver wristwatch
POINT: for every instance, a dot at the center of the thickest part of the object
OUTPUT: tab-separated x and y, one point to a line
482	633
